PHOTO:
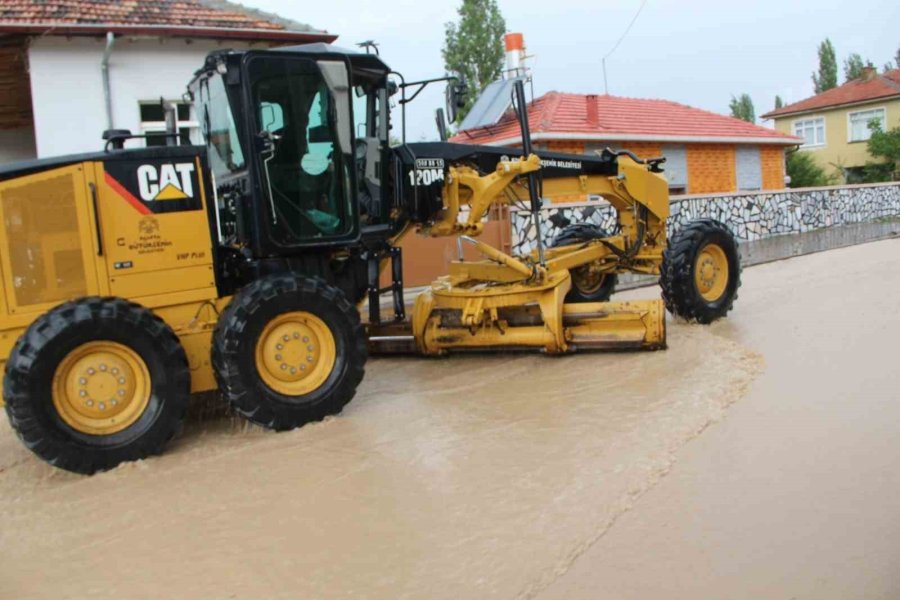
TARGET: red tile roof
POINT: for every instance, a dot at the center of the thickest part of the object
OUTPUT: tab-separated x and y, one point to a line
587	117
877	87
195	18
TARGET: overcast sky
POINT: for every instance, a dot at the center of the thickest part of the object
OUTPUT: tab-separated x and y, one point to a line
697	52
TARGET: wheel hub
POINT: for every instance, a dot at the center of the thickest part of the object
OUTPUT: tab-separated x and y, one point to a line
101	388
711	272
295	353
588	280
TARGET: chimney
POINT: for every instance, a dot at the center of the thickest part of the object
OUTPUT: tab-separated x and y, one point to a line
515	54
593	115
869	72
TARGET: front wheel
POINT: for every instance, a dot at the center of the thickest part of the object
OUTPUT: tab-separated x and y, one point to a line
289	349
701	272
588	284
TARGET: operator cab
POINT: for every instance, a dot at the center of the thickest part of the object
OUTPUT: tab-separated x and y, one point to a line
298	146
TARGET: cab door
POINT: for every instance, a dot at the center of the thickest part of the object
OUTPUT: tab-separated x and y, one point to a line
300	124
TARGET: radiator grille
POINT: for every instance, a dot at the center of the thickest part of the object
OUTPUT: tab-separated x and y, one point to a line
43	245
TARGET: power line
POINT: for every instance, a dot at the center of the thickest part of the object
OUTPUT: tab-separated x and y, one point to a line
619	41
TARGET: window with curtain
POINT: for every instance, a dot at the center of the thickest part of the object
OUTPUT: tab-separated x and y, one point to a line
811	130
859	123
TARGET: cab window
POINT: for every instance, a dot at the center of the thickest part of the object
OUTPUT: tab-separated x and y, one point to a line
306	173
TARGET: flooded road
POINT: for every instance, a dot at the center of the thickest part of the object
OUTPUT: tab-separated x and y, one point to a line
794	494
468	477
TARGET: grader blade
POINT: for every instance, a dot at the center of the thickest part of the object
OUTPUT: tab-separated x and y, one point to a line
636	325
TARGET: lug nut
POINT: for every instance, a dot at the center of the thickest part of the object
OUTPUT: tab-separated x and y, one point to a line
121	380
286	338
278	357
310	347
91	371
114	371
114	402
101	406
296	336
309	358
82	381
90	402
121	392
102	367
283	367
279	346
293	371
305	340
302	367
82	393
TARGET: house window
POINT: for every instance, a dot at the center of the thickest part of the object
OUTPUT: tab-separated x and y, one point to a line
859	123
811	130
153	123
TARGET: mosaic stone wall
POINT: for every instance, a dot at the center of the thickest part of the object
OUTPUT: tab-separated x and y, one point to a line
751	216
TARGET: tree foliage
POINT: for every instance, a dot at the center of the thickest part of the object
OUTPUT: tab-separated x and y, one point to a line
854	65
804	171
779	103
473	47
826	77
742	108
886	146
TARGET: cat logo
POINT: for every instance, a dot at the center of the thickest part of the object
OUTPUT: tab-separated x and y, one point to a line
165	182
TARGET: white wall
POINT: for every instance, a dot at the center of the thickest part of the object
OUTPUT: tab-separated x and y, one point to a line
16	144
67	85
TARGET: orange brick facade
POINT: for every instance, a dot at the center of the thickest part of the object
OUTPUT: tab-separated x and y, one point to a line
772	161
711	168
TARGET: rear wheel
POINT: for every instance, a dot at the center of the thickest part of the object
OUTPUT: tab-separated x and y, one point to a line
701	272
96	382
289	350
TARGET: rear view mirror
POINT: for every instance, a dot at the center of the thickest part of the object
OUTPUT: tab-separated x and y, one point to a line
456	97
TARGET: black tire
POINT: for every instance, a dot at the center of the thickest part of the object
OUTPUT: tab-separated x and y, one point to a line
679	289
238	333
28	392
586	287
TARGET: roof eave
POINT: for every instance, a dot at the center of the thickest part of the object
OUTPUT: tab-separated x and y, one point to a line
625	137
806	111
259	35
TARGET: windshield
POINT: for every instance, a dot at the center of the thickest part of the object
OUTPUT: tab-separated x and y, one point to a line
217	124
305	168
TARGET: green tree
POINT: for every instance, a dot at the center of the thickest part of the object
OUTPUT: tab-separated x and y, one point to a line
473	47
886	146
897	58
854	65
742	108
804	171
826	77
779	103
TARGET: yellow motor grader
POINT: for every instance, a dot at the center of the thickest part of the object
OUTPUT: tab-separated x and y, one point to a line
134	277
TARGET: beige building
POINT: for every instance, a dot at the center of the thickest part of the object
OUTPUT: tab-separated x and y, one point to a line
835	123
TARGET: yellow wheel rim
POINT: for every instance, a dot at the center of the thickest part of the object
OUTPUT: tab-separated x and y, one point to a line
587	281
101	388
711	272
295	353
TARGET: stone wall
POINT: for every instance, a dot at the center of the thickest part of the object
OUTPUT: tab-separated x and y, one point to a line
751	216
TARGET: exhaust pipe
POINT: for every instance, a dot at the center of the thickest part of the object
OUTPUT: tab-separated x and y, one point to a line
104	69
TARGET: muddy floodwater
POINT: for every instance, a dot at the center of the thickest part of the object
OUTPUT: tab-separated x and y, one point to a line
490	476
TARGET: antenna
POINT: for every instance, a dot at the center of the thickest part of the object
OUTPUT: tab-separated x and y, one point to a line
369	45
616	45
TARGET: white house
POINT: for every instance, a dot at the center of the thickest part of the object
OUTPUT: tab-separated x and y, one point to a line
59	60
